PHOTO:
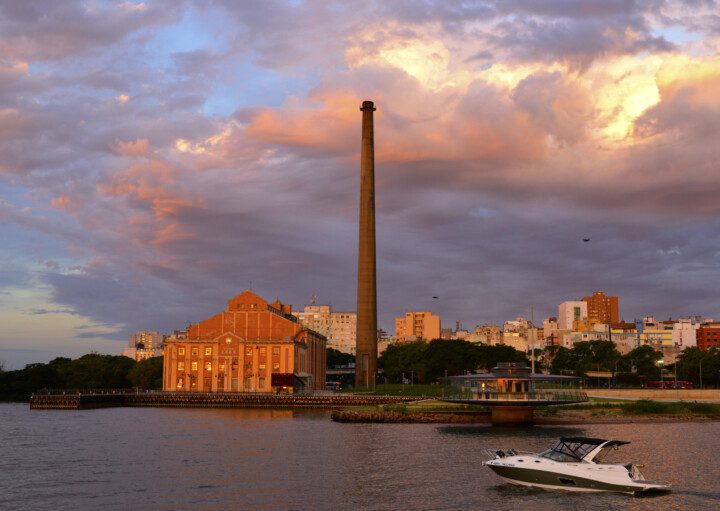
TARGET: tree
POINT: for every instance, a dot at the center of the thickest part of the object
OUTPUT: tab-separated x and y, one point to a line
406	357
450	357
643	362
336	358
689	363
147	374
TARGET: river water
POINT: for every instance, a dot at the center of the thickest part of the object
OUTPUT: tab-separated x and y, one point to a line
177	459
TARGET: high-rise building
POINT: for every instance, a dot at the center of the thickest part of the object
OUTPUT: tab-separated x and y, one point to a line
251	346
338	327
414	326
569	313
143	345
602	308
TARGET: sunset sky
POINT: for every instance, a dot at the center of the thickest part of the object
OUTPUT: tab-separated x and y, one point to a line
158	157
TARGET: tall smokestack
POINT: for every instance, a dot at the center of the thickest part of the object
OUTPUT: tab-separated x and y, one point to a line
366	337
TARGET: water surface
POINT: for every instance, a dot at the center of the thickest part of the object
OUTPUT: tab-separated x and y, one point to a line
168	459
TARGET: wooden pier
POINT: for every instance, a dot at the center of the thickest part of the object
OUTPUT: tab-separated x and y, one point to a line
105	399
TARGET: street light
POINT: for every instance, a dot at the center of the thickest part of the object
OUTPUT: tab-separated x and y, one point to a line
660	365
700	373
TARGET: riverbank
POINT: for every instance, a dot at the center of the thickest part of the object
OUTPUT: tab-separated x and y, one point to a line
437	412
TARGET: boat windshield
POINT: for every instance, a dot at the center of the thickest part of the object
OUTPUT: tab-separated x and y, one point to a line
569	451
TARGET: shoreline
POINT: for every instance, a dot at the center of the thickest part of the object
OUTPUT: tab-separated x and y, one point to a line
569	418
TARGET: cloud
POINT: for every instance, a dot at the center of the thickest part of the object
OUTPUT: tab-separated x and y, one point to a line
505	133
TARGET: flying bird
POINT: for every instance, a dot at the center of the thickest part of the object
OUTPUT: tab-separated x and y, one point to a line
586	240
435	297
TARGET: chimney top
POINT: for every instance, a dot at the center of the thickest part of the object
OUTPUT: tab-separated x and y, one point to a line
367	105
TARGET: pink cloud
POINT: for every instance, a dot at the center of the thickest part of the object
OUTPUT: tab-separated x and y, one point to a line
137	147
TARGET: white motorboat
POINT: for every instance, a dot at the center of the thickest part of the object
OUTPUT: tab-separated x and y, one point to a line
574	464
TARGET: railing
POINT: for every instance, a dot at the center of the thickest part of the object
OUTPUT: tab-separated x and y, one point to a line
521	396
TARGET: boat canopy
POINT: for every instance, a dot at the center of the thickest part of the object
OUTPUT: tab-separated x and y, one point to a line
574	449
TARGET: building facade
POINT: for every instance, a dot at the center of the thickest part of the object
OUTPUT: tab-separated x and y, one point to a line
708	336
569	313
414	326
655	333
684	334
251	346
143	345
338	327
602	308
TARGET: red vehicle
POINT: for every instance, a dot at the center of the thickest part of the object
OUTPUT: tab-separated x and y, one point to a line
669	384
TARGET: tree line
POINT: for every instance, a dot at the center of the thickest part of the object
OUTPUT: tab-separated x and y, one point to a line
637	367
92	371
426	362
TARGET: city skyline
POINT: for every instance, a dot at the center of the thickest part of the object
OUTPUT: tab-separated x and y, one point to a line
161	156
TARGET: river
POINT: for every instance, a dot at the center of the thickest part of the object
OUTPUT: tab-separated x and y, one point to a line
200	459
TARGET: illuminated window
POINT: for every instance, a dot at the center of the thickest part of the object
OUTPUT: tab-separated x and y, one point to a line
261	367
193	366
263	351
253	306
194	351
248	351
276	367
228	340
181	351
276	351
181	366
221	367
208	366
179	383
208	350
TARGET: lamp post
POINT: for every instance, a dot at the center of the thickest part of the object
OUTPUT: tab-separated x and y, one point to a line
660	365
700	373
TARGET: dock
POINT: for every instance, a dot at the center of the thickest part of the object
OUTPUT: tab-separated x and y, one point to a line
83	400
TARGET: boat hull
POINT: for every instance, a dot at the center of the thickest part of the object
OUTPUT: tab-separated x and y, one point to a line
570	481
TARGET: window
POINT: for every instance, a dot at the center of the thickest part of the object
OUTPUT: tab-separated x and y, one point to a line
208	350
179	383
228	340
193	366
253	306
261	367
208	366
248	351
181	366
276	366
263	351
181	351
261	383
194	351
276	351
221	367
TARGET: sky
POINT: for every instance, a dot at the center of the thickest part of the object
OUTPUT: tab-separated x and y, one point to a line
157	158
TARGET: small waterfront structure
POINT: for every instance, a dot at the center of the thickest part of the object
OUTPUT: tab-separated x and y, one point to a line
512	391
251	346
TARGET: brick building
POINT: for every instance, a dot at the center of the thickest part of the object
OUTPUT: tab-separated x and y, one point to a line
708	336
602	308
252	346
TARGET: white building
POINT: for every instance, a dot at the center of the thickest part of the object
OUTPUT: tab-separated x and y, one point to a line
143	345
339	327
684	333
569	312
